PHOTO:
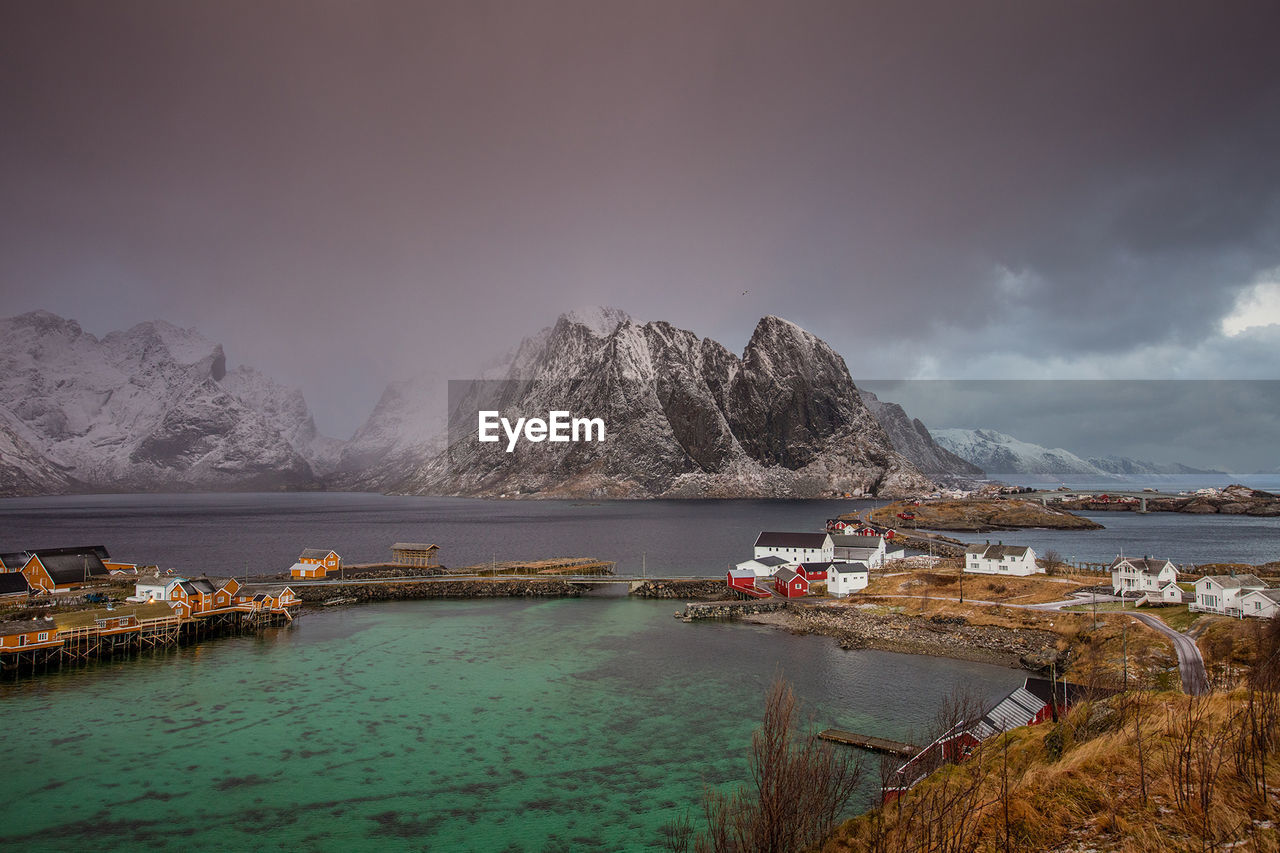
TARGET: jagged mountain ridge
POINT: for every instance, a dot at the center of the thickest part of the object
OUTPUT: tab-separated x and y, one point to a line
913	440
150	408
686	418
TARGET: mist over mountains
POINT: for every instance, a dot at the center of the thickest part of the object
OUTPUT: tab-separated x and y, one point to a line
154	408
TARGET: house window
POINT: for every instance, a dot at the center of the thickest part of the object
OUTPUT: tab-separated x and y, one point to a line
22	639
44	635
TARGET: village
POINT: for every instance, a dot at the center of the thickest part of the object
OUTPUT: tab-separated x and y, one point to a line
76	594
849	557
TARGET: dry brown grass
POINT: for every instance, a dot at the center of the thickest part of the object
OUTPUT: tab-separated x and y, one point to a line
1109	777
979	515
947	582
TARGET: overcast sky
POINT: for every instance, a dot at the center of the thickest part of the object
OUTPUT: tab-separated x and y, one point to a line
345	193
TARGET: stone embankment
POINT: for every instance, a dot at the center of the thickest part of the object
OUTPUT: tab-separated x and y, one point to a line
697	589
939	635
360	593
695	610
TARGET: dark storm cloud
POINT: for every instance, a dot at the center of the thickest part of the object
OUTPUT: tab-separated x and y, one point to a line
343	192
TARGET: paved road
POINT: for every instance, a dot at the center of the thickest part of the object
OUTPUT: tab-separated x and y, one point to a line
1195	679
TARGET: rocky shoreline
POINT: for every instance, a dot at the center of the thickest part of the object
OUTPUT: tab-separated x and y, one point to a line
939	636
701	590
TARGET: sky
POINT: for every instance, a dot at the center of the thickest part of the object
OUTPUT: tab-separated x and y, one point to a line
344	193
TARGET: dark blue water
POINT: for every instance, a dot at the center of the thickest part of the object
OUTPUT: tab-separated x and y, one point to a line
235	533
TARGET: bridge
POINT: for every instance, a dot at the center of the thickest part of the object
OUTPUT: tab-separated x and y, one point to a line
1044	496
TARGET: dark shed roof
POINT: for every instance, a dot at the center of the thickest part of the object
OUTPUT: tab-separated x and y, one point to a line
69	565
774	539
12	583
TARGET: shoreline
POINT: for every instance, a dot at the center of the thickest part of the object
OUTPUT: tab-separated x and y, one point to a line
937	636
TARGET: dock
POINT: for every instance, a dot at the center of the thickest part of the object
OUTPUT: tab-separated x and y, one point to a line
554	566
875	744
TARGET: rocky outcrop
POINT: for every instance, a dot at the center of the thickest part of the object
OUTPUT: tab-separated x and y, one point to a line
944	636
668	589
684	418
697	610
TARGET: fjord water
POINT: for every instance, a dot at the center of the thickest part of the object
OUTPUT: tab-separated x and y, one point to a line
464	725
498	725
234	534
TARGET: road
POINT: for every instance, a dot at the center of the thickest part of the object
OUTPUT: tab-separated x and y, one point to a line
1195	679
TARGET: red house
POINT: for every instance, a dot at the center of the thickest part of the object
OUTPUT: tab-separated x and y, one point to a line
744	581
791	584
814	571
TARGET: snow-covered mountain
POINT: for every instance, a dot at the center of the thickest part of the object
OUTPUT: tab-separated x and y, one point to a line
912	439
410	422
998	453
149	408
23	469
685	418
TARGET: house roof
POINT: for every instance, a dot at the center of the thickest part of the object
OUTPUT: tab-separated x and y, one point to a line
849	568
1236	581
817	567
26	626
414	546
316	553
770	560
857	553
13	582
1146	565
999	551
788	575
841	540
1273	594
741	573
1044	689
157	580
15	560
68	565
776	539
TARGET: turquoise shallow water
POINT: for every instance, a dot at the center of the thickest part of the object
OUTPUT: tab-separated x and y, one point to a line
488	726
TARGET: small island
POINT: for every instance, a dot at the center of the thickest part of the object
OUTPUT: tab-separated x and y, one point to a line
976	515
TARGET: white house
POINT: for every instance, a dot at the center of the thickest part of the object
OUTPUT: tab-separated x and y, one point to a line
872	550
795	547
1264	603
1131	575
1000	559
1170	593
154	588
765	567
846	578
1223	593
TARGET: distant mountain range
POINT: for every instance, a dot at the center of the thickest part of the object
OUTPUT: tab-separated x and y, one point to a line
1001	454
155	408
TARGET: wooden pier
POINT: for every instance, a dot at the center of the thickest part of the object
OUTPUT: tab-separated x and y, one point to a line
875	744
554	566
